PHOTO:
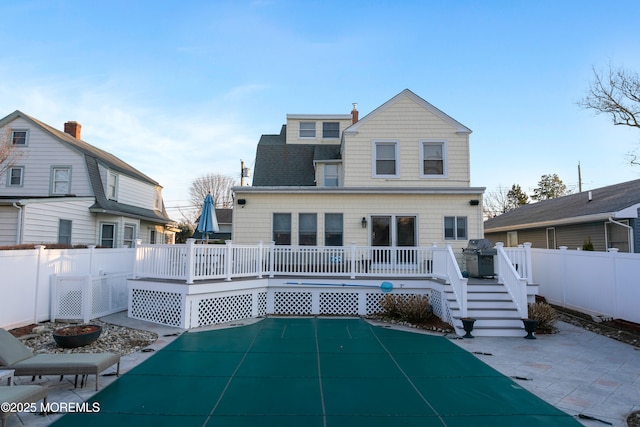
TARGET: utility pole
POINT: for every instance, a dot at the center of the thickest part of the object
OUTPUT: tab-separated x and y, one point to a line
241	173
579	179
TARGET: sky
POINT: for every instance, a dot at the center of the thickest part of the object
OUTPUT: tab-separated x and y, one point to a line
181	89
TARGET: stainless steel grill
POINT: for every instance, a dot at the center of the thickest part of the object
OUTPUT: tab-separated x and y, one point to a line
478	256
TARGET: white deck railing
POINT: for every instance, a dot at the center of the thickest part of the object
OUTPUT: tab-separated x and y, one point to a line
191	262
507	274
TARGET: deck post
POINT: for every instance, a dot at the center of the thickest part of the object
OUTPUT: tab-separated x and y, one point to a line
353	260
527	257
191	260
260	250
228	258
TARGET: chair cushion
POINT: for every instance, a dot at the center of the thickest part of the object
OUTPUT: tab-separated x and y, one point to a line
11	349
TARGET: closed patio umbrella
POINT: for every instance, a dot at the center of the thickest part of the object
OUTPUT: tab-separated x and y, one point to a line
208	222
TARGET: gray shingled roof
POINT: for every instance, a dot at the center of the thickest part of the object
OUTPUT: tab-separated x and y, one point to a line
604	200
279	164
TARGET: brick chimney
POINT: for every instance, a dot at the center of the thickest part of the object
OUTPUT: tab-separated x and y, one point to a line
73	129
354	113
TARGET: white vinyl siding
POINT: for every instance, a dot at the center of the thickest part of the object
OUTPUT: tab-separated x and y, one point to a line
41	220
408	123
42	152
8	225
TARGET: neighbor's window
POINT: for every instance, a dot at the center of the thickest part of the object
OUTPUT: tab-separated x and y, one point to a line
307	130
331	177
15	176
331	130
333	229
112	186
433	158
455	227
19	137
61	180
129	235
108	235
307	229
64	231
385	157
282	228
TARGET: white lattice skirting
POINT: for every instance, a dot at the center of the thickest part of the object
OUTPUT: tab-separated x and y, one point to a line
191	306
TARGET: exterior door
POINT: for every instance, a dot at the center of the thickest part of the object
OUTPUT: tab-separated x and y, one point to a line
393	231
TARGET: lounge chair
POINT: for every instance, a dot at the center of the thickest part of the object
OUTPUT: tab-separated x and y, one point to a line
15	355
20	394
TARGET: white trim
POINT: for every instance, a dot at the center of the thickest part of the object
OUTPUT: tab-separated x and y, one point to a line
115	232
26	137
22	169
315	129
318	117
374	145
52	185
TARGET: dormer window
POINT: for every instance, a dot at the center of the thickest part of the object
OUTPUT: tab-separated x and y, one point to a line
307	130
112	186
331	129
19	137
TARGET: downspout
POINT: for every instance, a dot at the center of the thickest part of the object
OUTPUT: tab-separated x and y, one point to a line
19	228
628	227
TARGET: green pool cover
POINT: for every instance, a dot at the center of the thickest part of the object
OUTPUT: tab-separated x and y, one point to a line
312	372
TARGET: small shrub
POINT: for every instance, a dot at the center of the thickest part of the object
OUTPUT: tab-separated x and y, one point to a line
409	308
544	314
587	245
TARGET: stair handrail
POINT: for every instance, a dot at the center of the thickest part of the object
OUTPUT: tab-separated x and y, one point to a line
508	276
446	267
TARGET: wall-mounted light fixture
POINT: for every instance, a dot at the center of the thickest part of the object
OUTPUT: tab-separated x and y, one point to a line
474	202
242	202
364	222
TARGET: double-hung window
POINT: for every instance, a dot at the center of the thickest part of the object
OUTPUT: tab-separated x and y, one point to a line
307	229
331	129
331	176
60	180
307	130
333	229
282	228
385	159
129	235
108	235
434	162
112	186
19	137
15	176
64	231
455	228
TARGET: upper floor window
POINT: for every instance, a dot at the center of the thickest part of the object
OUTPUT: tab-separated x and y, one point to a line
331	130
331	176
385	159
152	237
307	229
455	228
112	186
60	180
19	137
282	228
15	176
433	155
157	200
307	130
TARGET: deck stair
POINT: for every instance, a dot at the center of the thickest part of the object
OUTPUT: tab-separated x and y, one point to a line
491	305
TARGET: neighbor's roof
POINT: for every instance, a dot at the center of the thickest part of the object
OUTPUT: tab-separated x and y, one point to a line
617	201
284	165
94	156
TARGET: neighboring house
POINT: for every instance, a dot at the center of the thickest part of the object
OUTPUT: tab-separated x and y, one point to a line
224	217
63	190
398	177
607	217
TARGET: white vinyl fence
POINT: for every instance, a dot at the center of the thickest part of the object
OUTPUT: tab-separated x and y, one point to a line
601	283
25	277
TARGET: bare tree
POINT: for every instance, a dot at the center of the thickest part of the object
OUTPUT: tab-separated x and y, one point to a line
504	200
9	154
218	185
616	94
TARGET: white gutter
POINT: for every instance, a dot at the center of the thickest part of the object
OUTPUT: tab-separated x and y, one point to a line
19	227
629	229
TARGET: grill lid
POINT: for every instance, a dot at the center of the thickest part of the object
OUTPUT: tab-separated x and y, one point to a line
480	246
